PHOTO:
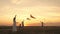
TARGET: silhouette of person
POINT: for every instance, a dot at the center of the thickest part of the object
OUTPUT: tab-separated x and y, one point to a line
14	24
42	24
14	19
19	28
23	24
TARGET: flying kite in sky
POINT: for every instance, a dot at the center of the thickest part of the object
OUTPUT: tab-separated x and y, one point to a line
32	16
28	18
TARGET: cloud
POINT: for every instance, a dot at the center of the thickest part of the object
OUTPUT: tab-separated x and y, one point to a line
16	1
31	3
39	7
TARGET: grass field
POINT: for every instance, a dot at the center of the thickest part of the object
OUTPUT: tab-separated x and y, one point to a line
31	30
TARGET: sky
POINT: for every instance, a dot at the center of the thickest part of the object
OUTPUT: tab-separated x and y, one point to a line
47	11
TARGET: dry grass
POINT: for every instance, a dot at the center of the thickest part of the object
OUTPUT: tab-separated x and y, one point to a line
31	30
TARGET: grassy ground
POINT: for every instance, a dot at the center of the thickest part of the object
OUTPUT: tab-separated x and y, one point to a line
31	30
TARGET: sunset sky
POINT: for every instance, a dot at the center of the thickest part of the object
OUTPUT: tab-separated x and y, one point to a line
47	11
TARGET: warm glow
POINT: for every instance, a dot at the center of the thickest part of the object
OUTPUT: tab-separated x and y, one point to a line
47	11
